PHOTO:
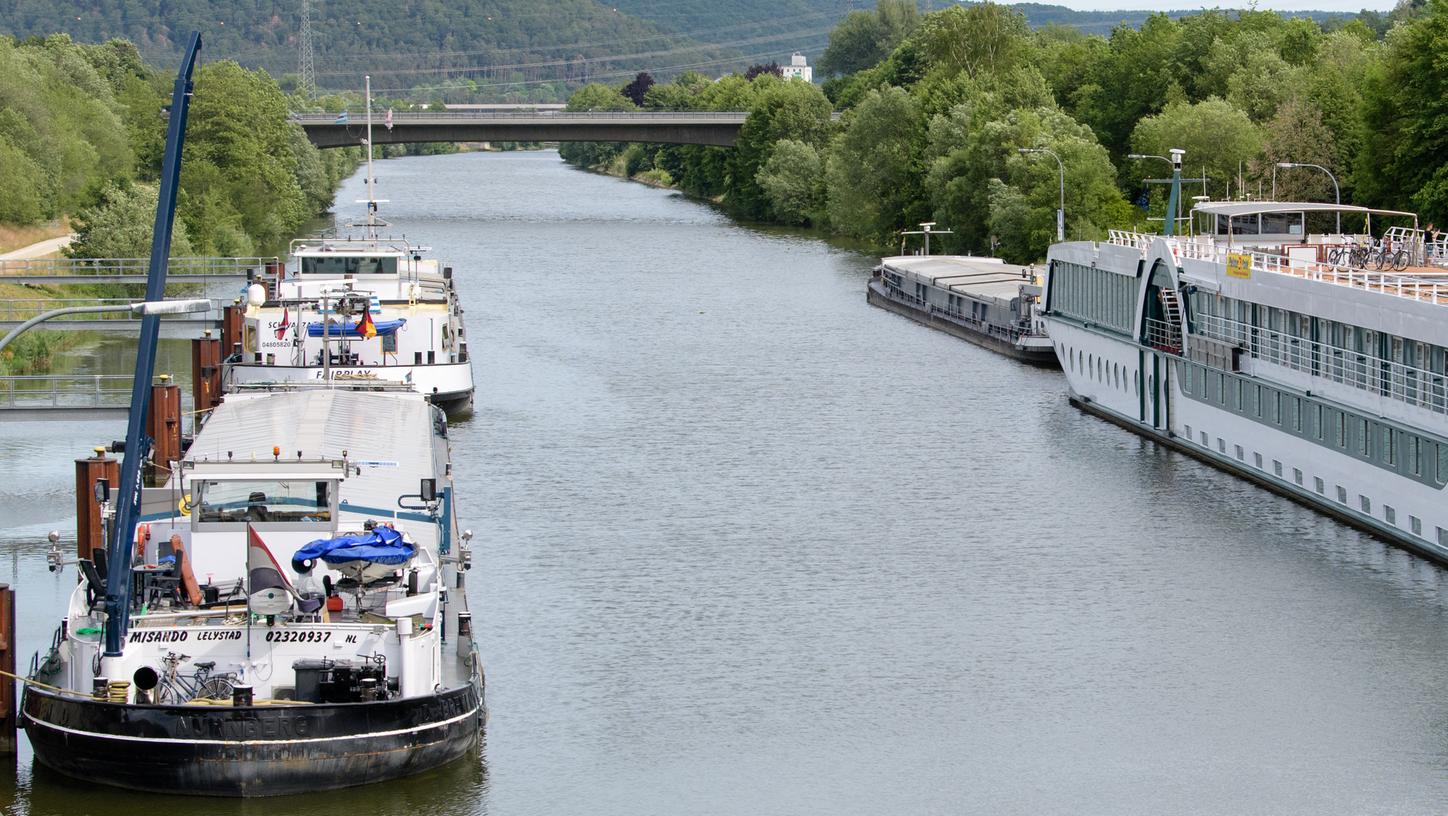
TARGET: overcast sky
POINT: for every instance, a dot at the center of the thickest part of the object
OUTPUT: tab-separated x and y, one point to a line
1278	5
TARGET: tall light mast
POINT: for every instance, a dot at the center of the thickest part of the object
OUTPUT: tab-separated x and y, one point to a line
307	85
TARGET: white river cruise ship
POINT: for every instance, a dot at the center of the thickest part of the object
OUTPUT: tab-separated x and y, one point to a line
1275	353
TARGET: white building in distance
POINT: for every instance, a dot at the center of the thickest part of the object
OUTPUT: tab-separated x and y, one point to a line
797	67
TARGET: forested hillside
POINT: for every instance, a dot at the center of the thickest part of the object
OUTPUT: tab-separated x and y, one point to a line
81	135
477	50
484	47
938	106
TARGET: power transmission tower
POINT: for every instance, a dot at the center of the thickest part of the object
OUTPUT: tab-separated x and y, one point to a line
307	85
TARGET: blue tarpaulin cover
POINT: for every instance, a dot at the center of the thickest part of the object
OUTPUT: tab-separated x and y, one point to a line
383	545
350	330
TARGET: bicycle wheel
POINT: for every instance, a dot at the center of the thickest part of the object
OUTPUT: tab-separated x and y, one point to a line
1400	260
169	694
1334	256
215	688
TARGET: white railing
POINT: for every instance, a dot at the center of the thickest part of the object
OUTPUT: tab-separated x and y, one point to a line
66	390
1413	288
116	267
1410	384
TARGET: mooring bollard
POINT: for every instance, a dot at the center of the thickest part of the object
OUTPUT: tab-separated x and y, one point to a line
89	529
164	426
7	665
205	372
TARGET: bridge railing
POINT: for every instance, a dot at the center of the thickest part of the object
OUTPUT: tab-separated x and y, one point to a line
358	117
102	268
65	391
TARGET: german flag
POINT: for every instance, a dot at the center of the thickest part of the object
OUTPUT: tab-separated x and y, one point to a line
366	327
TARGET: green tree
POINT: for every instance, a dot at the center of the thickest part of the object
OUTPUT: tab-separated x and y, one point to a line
863	38
1216	136
872	174
121	225
1405	110
793	180
782	110
595	97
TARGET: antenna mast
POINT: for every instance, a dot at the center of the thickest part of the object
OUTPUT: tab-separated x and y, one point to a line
307	85
371	192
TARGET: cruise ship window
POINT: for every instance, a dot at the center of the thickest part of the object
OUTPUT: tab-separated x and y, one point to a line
1390	447
1415	456
1317	483
1257	460
1221	445
1240	456
1416	524
1277	467
1364	441
1297	476
1205	441
1341	494
1366	503
1390	514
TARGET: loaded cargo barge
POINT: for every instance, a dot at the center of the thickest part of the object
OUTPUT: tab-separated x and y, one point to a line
983	300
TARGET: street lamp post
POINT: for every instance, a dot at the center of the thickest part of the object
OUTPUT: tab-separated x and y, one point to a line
1173	204
1336	191
1061	209
142	308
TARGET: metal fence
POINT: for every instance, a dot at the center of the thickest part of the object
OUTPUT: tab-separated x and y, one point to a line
103	268
65	391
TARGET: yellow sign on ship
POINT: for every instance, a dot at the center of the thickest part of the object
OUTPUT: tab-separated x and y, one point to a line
1239	265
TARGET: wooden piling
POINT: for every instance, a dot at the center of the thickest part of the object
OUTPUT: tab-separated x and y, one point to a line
231	323
164	426
205	372
89	529
7	665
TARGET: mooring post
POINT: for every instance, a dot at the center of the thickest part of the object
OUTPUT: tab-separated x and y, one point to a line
163	425
90	534
7	665
231	323
205	372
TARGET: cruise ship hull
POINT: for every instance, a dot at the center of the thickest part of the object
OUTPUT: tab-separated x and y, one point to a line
1146	398
1045	356
250	751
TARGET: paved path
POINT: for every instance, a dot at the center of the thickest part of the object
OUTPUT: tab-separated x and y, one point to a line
39	249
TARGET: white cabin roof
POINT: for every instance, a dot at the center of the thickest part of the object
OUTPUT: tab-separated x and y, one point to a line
389	435
1236	208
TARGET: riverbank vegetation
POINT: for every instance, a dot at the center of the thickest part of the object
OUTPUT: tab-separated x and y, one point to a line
82	133
937	108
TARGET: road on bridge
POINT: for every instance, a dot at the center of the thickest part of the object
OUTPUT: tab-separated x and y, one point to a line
666	127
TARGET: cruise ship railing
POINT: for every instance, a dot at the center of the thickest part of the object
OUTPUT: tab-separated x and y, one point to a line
1410	384
1406	286
1163	336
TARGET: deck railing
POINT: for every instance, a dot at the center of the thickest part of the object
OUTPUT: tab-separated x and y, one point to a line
1406	286
1413	385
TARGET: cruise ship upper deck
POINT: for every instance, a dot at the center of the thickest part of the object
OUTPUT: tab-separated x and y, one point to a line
1275	237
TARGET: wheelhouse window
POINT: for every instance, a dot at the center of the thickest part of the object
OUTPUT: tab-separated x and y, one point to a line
350	265
252	500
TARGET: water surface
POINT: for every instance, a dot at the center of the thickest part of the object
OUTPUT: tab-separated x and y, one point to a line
747	545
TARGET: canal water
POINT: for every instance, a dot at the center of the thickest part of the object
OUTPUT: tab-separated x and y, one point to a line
746	545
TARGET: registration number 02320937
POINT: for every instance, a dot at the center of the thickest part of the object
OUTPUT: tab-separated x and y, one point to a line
297	636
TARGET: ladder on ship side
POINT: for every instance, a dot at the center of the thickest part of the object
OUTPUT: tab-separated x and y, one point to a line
1171	308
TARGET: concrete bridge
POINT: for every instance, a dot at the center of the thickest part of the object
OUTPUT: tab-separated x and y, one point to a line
667	127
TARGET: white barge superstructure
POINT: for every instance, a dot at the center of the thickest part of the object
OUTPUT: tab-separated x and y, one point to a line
297	616
1258	346
368	309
